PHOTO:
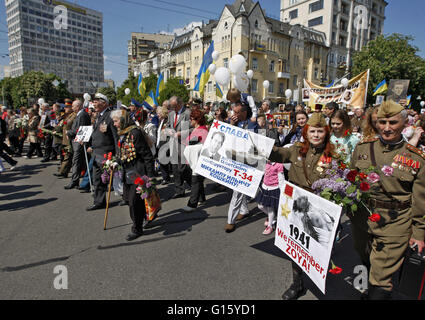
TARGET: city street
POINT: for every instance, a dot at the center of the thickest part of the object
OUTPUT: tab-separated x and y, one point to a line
182	256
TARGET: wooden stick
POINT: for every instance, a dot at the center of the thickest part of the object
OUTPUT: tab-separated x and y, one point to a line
109	197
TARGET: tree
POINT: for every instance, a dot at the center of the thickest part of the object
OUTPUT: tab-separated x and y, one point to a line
174	87
392	57
131	83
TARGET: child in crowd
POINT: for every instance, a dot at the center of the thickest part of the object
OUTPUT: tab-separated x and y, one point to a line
268	194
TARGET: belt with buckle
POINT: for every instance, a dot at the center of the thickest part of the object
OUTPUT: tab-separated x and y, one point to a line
395	205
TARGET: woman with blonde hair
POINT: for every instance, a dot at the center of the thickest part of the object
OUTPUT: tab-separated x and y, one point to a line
369	129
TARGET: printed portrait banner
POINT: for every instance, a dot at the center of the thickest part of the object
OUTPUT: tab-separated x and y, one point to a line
305	230
234	157
84	134
354	95
397	90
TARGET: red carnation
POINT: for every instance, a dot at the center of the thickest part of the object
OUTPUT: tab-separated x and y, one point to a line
351	176
139	181
364	186
110	156
105	155
375	217
335	270
362	175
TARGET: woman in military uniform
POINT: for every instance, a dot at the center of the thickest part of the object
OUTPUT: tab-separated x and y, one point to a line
309	161
33	135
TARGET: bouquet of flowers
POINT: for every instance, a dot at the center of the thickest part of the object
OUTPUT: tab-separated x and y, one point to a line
147	190
209	119
109	164
347	188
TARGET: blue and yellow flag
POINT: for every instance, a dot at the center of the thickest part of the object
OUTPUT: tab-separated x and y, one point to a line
382	87
141	86
204	72
160	85
150	99
218	91
331	84
409	101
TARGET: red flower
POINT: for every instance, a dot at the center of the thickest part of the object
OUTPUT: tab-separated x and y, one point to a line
362	175
375	217
139	181
335	270
65	123
110	156
342	166
119	144
346	132
352	175
364	186
105	155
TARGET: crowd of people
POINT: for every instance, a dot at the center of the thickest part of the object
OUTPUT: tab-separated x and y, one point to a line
140	140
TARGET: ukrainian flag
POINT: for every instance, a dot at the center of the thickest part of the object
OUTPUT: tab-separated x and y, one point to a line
160	85
409	102
141	86
218	91
331	84
382	87
204	72
151	100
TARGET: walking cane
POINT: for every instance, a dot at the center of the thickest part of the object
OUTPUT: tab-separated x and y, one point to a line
109	197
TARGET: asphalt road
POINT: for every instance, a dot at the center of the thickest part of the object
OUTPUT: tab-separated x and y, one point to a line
183	256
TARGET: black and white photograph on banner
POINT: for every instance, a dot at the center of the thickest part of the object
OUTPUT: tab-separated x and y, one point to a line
379	100
306	94
306	228
397	90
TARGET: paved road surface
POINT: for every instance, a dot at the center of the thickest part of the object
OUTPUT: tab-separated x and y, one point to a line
183	256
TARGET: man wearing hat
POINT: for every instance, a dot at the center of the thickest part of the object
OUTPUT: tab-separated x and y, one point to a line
396	200
66	125
103	141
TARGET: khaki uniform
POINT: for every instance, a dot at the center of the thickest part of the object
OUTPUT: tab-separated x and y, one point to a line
66	164
314	168
400	201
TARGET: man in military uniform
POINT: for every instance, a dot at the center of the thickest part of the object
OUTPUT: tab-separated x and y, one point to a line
397	200
66	164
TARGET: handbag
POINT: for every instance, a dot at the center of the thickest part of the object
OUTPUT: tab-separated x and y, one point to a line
412	275
152	205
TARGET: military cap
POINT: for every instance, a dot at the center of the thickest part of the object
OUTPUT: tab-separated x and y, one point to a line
389	109
68	102
317	120
100	96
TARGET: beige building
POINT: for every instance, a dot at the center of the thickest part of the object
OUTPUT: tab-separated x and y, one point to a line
347	24
276	51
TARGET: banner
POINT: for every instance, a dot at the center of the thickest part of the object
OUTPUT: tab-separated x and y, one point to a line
305	230
234	157
84	134
354	95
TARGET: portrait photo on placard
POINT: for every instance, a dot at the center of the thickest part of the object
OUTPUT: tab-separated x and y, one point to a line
397	90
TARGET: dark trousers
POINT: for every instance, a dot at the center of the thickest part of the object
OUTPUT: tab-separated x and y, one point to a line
21	144
35	147
78	159
197	192
100	189
165	171
182	173
49	151
58	151
5	156
137	207
14	143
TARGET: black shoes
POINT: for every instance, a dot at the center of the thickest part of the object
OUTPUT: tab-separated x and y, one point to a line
95	207
133	236
71	186
295	291
84	190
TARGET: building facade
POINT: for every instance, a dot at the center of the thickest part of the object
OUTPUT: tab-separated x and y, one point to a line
347	24
57	37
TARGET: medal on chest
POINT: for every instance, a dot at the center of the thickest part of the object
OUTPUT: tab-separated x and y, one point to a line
324	163
404	163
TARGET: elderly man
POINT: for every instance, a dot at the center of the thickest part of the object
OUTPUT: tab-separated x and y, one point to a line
265	107
103	140
179	121
397	200
82	120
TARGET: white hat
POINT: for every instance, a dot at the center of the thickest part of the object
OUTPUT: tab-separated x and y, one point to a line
102	97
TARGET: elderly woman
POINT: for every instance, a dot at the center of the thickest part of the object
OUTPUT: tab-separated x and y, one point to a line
33	134
137	161
309	161
162	140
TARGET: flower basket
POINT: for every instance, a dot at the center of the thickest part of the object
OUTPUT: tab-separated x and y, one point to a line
148	192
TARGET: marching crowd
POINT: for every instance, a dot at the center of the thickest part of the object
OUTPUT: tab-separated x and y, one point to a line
135	138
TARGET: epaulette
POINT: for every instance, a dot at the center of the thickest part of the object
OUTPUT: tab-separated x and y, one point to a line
368	140
415	150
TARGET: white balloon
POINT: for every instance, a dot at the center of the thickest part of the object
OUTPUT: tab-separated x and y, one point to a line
241	82
266	84
222	76
215	55
41	101
87	97
127	91
422	103
288	93
212	68
344	82
237	64
250	74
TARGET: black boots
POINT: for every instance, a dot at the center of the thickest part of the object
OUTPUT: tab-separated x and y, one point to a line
297	289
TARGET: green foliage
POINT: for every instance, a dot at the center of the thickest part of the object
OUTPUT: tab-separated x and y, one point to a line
392	57
174	88
31	86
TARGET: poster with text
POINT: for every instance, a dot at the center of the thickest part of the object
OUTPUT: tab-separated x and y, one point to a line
84	134
234	157
305	230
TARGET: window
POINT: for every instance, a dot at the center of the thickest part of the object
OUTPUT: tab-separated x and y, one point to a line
271	87
315	22
293	14
226	62
254	64
315	6
271	66
281	89
254	85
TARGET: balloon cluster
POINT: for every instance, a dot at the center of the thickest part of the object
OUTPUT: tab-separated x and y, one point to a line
237	66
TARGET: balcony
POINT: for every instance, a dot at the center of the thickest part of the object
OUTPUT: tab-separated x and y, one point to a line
283	75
